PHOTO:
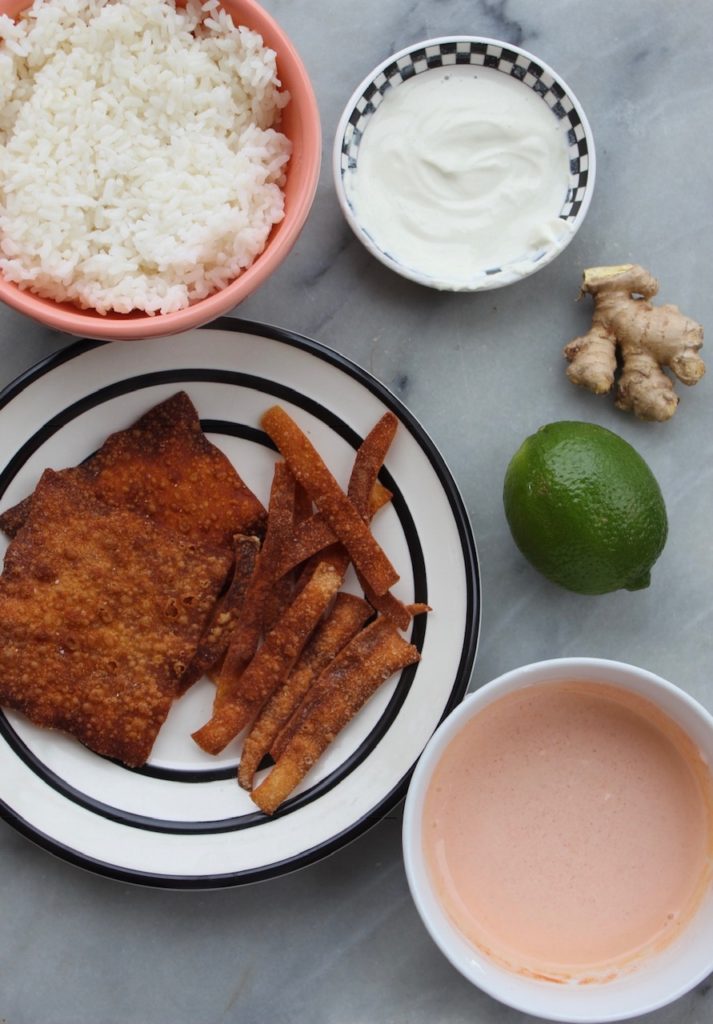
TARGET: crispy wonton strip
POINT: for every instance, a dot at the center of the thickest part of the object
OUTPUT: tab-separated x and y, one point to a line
310	536
343	622
314	533
216	637
335	556
369	460
278	598
379	497
303	505
341	690
347	661
367	495
339	511
271	663
388	604
248	629
281	528
372	452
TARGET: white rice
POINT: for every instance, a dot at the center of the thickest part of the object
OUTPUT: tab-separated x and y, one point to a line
139	168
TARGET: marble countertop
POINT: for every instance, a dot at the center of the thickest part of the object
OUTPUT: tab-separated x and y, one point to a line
340	942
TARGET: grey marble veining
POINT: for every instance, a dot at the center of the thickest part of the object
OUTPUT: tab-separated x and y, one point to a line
340	942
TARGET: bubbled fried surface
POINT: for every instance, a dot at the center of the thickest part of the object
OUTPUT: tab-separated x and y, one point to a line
100	612
165	467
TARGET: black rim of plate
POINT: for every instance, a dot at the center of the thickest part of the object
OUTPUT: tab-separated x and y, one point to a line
468	650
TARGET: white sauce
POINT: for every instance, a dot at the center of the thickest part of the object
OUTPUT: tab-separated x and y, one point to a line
461	170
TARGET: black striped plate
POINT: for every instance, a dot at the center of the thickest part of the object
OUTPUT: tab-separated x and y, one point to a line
182	821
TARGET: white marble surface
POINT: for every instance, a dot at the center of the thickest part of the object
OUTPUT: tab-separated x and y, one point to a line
340	943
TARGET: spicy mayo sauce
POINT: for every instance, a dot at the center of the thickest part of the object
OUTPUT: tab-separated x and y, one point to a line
568	828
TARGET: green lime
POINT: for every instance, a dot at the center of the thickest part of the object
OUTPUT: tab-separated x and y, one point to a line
585	509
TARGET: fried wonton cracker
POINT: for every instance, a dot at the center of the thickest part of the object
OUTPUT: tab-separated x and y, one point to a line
166	468
339	511
362	483
368	495
344	621
369	460
340	691
101	610
313	533
388	604
303	505
248	627
310	536
281	527
226	614
233	711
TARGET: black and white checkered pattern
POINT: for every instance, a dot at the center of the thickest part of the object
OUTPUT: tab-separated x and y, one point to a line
477	53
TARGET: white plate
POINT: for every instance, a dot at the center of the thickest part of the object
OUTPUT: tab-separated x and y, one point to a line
182	821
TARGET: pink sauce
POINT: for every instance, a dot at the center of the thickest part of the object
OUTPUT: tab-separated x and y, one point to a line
568	830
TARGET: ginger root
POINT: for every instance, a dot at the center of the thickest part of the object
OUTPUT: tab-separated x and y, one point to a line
648	337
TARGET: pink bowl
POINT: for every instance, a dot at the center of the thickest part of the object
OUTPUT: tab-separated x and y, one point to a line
300	122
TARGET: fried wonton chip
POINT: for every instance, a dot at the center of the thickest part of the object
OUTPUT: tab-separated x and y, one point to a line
281	526
165	468
313	532
310	536
388	604
369	460
340	691
362	483
13	519
367	495
339	511
273	660
226	614
344	621
101	610
248	627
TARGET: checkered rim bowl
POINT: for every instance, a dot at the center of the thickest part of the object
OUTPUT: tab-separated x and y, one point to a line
477	52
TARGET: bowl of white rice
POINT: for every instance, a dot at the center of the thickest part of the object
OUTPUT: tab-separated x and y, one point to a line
158	159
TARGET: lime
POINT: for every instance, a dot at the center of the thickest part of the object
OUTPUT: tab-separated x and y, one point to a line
585	509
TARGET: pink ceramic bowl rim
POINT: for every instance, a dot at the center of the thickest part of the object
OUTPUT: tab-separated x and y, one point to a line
87	324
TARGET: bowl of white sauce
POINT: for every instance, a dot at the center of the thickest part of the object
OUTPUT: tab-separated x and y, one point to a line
464	163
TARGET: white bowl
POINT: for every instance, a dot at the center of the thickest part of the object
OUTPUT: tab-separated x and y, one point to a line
658	979
429	57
